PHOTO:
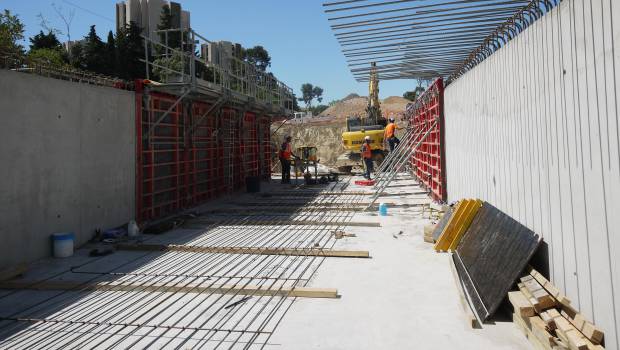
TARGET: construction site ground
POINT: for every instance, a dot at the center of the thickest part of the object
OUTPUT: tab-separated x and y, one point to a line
403	297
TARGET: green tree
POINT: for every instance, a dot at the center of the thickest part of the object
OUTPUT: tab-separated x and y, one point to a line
110	55
258	56
317	92
76	57
45	41
11	32
94	54
130	49
307	94
49	56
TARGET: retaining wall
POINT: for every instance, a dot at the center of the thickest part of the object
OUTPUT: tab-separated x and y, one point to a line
68	162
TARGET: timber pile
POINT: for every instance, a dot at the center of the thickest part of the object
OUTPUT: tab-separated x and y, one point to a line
547	318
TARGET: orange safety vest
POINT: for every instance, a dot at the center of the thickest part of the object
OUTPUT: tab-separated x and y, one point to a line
286	152
389	130
366	151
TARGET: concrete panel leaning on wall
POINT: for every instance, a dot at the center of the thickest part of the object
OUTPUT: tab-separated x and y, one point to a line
68	155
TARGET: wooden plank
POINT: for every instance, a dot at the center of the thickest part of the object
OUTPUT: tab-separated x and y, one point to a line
549	287
525	329
548	319
567	332
196	222
538	327
13	271
302	292
538	292
588	329
520	304
530	298
470	319
248	250
469	216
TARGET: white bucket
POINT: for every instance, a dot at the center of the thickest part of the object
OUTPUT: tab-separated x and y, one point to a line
132	229
62	244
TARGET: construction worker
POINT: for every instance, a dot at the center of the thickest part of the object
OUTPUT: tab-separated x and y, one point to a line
367	156
285	154
390	134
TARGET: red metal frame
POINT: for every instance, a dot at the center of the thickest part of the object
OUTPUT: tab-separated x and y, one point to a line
177	169
428	162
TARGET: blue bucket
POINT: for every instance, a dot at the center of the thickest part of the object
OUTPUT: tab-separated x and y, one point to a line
383	209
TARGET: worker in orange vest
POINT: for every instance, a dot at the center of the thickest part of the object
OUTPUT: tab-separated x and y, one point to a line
285	154
390	134
367	156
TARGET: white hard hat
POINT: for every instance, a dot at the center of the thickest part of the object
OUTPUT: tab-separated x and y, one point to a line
391	118
367	138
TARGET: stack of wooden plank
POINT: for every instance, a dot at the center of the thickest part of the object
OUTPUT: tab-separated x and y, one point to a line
547	318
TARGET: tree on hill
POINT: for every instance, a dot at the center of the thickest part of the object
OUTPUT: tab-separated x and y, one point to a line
317	92
93	54
258	56
46	48
309	93
11	32
45	41
110	55
130	49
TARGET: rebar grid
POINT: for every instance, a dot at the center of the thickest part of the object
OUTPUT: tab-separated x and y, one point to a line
417	39
161	318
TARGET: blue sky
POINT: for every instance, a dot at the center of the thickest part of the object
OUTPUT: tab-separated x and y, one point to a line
295	32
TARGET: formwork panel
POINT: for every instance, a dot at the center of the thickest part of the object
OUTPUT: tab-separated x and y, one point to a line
427	162
186	157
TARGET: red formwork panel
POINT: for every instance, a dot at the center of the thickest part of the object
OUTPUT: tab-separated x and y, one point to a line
184	160
206	156
161	156
428	162
264	125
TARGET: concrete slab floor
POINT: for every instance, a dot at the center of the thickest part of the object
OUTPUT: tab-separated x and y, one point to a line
405	297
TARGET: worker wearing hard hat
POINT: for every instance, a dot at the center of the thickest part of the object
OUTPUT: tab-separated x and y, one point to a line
390	134
367	156
285	154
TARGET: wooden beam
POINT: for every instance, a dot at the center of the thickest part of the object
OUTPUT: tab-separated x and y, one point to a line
248	250
520	304
301	292
538	292
281	223
12	272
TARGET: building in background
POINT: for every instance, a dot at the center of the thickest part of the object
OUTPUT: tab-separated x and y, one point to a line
147	15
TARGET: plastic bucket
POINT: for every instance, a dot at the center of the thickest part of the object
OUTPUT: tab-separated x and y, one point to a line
383	209
62	244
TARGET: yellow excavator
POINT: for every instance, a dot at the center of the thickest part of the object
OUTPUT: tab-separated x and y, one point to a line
372	124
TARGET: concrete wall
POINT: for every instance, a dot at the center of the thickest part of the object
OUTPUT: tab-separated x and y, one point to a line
68	162
534	130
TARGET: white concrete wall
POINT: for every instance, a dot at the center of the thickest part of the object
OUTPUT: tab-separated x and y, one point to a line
67	155
534	130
